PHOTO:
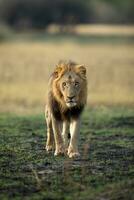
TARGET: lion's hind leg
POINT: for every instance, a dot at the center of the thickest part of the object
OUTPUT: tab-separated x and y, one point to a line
50	136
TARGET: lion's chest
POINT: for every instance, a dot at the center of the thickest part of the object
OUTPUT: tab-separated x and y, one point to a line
68	114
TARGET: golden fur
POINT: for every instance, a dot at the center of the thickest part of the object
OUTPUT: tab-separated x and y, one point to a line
66	99
60	70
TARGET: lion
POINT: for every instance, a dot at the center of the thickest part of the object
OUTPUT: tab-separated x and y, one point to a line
67	96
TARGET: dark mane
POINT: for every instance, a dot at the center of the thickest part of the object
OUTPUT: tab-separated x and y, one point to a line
69	113
55	107
73	112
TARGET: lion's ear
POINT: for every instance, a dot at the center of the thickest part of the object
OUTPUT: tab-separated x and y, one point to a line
81	69
57	71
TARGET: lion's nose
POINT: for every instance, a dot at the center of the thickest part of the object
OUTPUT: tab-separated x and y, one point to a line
70	97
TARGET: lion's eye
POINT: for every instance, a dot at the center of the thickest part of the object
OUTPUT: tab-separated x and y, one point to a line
76	83
64	84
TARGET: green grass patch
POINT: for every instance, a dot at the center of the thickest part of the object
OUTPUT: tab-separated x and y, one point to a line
104	171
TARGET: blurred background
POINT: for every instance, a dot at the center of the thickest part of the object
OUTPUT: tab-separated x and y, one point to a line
36	34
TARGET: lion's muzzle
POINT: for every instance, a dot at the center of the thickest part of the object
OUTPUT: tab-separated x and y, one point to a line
71	101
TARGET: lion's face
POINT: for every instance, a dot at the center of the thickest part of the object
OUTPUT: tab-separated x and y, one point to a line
70	87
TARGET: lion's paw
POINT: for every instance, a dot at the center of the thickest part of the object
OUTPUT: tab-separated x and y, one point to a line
49	147
59	151
74	155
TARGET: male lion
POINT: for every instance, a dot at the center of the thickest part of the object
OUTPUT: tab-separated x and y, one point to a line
67	97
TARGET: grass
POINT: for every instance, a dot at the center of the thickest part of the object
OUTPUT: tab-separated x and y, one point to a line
104	171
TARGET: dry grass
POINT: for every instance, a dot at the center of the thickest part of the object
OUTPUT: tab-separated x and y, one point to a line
26	66
105	30
98	29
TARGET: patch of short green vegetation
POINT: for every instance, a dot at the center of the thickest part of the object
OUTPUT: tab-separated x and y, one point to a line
104	171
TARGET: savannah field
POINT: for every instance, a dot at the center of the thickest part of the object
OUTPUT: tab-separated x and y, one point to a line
105	170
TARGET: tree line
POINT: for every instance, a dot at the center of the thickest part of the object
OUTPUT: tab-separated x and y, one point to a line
41	13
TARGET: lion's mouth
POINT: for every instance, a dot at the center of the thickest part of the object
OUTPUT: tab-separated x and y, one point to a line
71	103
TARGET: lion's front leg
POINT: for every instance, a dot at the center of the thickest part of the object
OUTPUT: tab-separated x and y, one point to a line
65	131
59	147
73	146
50	137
